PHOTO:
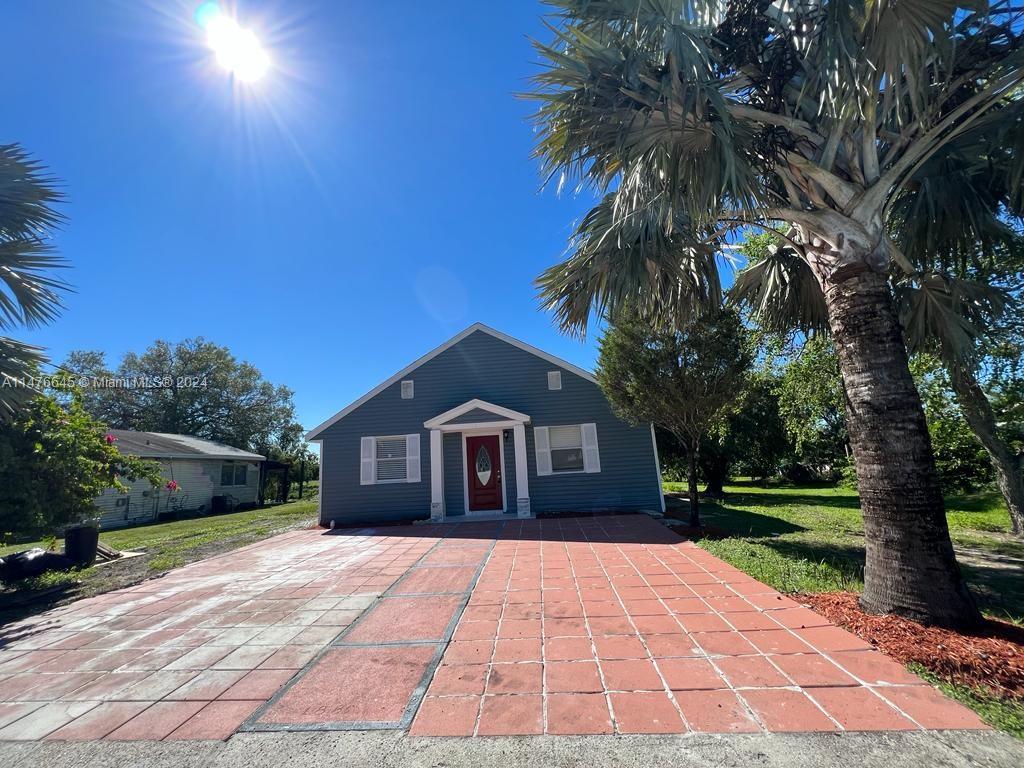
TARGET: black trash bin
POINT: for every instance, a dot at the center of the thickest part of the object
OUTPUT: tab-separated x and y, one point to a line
80	542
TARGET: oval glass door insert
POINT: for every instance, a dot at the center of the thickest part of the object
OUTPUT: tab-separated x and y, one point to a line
483	466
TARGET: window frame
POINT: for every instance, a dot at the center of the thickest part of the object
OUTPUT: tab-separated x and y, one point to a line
551	450
235	465
403	439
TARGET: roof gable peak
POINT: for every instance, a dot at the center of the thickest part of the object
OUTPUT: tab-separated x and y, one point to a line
314	433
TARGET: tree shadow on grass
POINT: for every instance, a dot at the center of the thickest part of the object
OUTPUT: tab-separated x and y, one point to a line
723	519
769	499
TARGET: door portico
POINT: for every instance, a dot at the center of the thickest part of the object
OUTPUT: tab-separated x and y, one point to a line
482	426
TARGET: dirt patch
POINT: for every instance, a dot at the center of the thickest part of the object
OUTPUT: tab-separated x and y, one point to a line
990	657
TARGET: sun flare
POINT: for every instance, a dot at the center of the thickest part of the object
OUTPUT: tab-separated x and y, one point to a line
237	49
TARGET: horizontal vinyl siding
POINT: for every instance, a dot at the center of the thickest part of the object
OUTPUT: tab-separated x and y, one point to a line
454	487
198	482
481	366
474	416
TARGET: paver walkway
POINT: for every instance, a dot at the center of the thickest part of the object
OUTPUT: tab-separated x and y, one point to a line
560	626
194	653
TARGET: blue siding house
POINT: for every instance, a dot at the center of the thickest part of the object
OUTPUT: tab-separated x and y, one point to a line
483	426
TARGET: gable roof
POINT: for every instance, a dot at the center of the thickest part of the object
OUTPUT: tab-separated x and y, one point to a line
476	407
163	445
313	433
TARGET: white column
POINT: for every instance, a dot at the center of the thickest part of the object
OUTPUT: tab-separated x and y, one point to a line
522	472
436	476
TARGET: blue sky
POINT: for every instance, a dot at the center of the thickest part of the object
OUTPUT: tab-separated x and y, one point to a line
370	198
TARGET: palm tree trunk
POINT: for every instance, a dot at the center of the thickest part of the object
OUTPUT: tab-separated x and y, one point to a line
691	463
979	416
910	567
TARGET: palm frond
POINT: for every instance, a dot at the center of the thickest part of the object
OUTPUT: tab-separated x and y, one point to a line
631	258
18	363
781	292
635	103
27	196
947	314
32	296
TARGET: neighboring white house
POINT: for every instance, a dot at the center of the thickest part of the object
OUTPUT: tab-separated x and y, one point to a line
202	469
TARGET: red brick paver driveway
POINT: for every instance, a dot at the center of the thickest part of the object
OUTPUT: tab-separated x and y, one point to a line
193	654
562	626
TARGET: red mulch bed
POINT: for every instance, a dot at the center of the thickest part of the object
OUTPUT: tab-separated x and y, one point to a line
992	656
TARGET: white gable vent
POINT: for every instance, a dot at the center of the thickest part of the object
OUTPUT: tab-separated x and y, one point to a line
554	380
407	389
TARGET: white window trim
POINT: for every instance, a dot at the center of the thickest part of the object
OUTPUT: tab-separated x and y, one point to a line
554	381
234	464
376	461
542	446
413	458
411	387
579	428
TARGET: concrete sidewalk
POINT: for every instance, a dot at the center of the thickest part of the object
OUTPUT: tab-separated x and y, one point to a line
387	749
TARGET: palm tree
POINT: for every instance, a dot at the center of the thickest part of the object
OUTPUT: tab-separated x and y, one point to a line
695	119
959	223
29	296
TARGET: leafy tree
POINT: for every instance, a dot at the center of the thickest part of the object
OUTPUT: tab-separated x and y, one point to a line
698	118
747	438
55	459
194	387
961	226
755	432
29	294
679	379
811	406
961	460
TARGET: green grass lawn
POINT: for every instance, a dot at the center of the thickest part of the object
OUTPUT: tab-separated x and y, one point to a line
810	538
166	546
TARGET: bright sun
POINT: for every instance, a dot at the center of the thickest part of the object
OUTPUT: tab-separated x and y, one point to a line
237	49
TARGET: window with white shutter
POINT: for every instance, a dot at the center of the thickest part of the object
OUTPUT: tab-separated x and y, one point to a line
367	461
542	445
412	458
392	459
408	389
591	455
390	456
567	449
554	380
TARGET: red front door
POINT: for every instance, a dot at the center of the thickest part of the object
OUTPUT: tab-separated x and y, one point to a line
483	462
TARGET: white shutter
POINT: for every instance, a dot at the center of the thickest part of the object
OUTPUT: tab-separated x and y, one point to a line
367	461
412	458
591	456
542	444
